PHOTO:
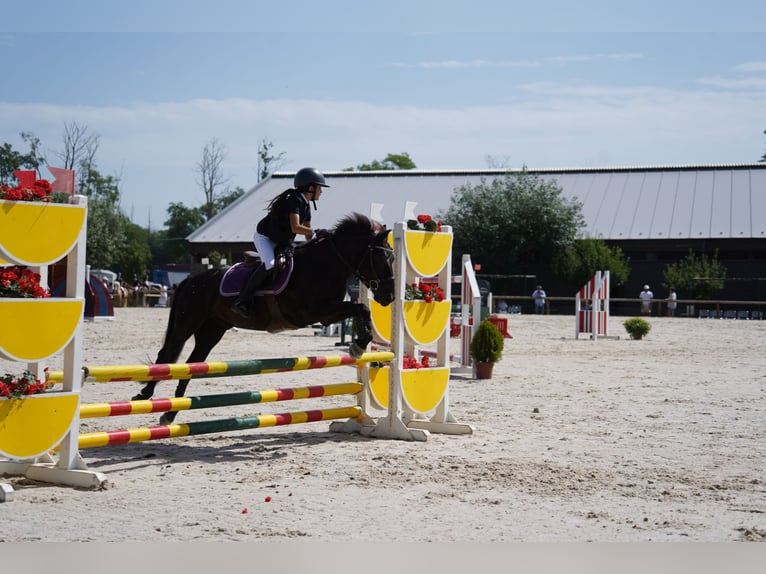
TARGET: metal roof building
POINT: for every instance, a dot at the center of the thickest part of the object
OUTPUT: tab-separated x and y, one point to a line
655	214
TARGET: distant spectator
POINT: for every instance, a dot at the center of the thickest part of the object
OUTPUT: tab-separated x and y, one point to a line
672	297
502	306
163	301
646	300
539	297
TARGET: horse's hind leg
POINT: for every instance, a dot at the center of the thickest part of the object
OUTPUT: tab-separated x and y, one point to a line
169	353
205	339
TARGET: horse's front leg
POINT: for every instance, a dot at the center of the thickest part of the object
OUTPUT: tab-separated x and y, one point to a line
363	329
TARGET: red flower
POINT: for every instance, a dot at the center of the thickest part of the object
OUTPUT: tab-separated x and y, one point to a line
17	283
17	387
40	190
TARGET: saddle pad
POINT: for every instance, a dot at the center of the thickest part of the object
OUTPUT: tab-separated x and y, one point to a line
235	277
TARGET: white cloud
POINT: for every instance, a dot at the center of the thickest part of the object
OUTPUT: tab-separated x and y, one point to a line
734	83
478	63
751	67
481	63
155	147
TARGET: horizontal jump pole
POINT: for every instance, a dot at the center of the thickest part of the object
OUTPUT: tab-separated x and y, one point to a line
180	371
120	408
142	434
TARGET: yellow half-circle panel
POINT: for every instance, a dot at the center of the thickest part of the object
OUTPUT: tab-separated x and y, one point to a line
32	426
423	389
381	322
33	329
427	251
33	233
379	386
425	322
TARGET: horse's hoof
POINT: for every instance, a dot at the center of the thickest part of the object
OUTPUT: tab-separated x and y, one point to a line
355	350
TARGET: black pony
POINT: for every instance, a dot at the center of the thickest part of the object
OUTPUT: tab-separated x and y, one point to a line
314	294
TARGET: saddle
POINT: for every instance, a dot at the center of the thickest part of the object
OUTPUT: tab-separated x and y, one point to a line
235	277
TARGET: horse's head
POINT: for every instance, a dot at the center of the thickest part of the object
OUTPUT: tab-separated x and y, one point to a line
373	259
379	268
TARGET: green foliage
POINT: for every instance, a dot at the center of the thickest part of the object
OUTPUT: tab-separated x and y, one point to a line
637	327
393	161
106	222
172	246
586	256
11	160
214	257
487	344
134	258
268	162
514	221
225	199
696	276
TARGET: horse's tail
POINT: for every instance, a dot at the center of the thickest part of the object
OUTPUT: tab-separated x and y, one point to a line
172	315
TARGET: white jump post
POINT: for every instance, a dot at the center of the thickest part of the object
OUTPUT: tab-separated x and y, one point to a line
470	307
593	319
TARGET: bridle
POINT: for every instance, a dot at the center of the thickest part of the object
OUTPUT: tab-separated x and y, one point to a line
372	283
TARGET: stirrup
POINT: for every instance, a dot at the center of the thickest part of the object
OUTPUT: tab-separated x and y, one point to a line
241	308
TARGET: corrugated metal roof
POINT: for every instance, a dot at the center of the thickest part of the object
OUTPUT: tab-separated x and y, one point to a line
651	202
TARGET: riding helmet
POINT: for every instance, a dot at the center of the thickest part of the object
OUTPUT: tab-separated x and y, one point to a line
308	176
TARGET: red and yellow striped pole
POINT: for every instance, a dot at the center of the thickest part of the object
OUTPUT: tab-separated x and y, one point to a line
176	371
141	434
143	407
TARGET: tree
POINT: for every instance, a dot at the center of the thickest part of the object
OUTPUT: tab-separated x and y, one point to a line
517	221
35	158
268	163
227	198
763	157
584	257
106	222
696	276
393	161
79	153
12	160
135	256
180	223
211	174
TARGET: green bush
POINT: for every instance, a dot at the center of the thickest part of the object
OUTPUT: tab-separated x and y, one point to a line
637	327
487	344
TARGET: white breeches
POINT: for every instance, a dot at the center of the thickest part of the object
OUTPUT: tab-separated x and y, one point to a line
265	248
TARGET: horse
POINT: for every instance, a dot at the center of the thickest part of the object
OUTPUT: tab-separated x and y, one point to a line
315	293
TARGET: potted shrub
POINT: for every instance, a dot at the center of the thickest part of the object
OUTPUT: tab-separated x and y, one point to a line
637	327
486	348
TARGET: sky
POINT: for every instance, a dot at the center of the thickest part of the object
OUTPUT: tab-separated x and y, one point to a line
456	85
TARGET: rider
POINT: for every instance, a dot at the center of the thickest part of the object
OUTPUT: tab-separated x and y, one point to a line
288	215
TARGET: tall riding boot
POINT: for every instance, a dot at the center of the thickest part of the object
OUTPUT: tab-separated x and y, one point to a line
244	302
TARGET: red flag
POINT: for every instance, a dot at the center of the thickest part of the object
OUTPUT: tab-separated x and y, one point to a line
64	179
26	177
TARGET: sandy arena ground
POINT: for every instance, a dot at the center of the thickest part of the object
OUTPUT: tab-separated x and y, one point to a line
611	441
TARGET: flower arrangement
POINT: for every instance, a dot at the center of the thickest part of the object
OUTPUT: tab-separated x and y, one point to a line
15	282
424	223
15	387
412	363
427	292
40	190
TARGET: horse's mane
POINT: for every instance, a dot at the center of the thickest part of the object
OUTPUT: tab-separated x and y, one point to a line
354	223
